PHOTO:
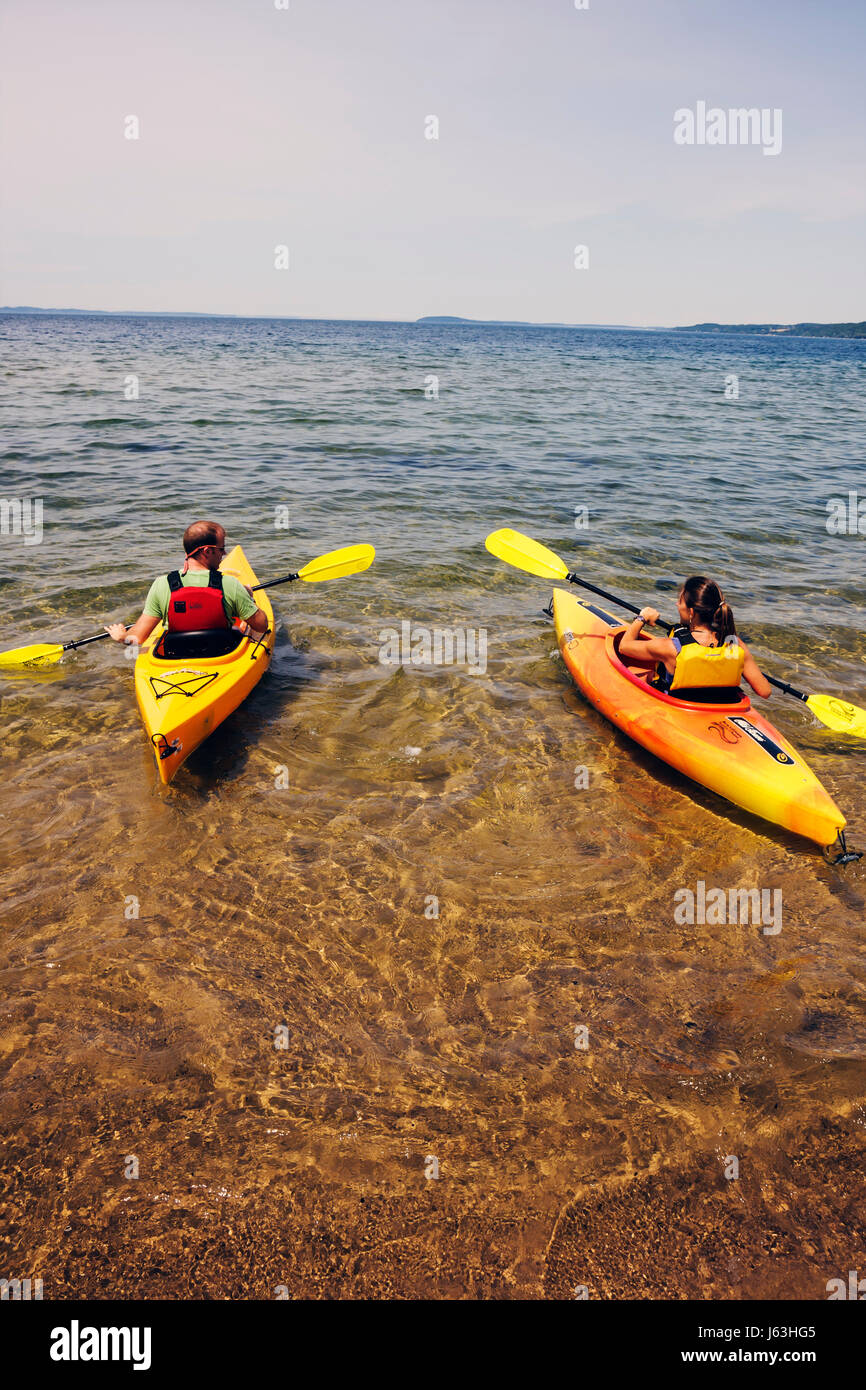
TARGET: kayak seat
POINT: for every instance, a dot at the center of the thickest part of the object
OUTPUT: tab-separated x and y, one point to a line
709	694
183	646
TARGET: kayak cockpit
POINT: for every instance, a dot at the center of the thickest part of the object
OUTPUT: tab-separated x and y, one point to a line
640	673
195	646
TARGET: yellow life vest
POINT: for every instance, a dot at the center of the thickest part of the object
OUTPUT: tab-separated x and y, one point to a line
699	666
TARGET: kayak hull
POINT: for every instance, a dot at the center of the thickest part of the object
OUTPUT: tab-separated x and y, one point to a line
728	748
182	701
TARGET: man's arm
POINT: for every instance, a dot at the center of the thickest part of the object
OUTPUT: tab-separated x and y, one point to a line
245	607
139	632
258	622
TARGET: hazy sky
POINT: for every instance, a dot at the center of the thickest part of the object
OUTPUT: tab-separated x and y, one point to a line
306	127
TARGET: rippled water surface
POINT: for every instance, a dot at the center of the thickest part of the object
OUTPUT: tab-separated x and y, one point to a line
415	1043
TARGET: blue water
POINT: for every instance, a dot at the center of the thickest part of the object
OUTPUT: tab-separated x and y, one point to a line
238	416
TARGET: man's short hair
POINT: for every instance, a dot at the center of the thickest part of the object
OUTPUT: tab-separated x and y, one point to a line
202	533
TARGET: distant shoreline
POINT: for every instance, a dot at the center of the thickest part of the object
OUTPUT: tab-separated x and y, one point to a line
784	330
776	330
789	330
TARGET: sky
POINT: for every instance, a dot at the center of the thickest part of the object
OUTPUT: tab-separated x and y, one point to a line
306	126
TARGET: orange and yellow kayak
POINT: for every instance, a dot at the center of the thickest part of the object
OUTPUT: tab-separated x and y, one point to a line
183	697
729	748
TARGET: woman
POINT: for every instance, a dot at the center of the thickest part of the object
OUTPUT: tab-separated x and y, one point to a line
703	654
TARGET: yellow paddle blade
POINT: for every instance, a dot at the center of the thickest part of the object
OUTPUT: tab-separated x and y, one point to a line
337	563
526	554
838	715
44	654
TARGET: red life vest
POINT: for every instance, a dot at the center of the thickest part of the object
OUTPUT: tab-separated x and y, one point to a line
196	607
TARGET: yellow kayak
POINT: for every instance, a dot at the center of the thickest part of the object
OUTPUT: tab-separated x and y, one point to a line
186	684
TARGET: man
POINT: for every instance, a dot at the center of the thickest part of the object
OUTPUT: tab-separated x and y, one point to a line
216	598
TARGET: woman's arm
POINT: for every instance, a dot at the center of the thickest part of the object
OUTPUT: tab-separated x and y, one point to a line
656	649
752	673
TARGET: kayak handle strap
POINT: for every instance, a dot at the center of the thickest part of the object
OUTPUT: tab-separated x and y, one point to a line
844	855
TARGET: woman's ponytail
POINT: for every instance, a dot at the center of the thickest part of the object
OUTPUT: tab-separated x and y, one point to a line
723	624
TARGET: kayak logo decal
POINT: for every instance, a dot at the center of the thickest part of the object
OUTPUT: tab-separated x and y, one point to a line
769	747
171	684
725	733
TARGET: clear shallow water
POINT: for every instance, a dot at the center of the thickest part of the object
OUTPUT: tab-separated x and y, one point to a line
411	1035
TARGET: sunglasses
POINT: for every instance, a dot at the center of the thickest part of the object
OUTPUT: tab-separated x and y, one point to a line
220	549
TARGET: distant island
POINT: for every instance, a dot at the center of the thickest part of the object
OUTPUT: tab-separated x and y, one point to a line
791	330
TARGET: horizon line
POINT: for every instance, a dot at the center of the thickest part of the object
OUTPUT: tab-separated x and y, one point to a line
437	320
315	318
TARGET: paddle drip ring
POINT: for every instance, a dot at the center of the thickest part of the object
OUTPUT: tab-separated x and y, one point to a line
845	855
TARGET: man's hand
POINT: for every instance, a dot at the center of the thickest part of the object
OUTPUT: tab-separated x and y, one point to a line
139	632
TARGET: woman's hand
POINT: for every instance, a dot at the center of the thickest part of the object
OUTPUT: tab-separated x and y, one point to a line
649	615
116	631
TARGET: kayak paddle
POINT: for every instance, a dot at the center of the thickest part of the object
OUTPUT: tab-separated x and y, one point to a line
44	653
335	565
526	554
837	714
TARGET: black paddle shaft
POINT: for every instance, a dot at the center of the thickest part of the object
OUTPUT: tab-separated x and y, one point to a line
788	689
100	637
272	583
612	598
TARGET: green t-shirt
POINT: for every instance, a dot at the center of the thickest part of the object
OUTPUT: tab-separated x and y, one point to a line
237	601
